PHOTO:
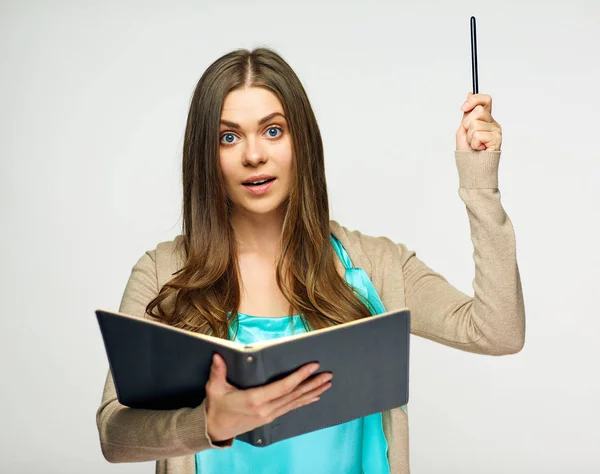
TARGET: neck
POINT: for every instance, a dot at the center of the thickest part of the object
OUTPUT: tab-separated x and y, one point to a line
258	233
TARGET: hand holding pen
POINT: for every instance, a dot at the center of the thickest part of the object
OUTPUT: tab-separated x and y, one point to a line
478	130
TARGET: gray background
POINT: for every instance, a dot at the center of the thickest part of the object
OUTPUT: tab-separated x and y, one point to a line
94	97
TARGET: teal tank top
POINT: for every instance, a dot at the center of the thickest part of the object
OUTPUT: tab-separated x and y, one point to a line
356	447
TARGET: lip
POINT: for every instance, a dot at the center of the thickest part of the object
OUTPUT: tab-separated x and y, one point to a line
262	189
258	177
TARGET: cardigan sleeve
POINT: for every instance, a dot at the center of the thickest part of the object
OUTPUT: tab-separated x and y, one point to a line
133	434
493	320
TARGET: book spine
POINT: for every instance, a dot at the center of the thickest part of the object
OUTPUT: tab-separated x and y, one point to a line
251	370
254	376
257	437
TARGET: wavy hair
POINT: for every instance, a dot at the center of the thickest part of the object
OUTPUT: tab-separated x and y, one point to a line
204	295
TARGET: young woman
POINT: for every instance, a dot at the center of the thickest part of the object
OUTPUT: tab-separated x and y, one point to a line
259	258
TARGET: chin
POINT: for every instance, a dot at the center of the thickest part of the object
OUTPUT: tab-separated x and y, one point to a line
264	208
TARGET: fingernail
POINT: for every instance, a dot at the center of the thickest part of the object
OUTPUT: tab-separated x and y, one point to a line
464	106
313	368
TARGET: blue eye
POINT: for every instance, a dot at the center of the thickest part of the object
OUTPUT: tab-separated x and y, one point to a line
277	131
227	138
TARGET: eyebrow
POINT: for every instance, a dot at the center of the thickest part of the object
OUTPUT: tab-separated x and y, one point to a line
260	122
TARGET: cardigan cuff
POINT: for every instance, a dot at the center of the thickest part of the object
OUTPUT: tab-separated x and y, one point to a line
477	169
192	430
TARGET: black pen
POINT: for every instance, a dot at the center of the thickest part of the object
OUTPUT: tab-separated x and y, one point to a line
474	56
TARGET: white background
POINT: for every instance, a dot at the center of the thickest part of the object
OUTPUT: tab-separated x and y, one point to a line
94	98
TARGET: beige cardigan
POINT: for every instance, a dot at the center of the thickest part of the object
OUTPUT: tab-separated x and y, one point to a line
491	322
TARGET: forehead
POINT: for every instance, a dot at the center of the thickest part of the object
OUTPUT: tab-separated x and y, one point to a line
250	104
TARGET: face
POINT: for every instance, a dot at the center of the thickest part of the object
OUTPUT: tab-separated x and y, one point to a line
255	146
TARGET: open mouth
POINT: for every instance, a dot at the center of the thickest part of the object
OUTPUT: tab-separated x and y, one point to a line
259	183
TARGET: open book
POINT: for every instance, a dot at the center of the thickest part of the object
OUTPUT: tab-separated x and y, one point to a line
157	366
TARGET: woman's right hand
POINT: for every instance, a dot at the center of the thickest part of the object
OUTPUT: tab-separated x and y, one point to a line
231	411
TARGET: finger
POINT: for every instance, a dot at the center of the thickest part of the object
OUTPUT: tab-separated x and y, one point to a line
473	100
484	140
218	366
261	395
268	412
478	125
218	372
306	399
478	113
315	386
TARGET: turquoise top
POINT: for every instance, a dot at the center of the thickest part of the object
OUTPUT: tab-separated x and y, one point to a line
358	446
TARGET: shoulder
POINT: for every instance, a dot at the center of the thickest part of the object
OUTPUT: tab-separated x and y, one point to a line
368	251
165	259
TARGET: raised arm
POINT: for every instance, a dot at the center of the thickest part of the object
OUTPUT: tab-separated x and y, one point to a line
493	320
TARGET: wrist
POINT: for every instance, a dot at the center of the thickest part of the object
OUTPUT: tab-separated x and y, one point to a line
215	437
218	440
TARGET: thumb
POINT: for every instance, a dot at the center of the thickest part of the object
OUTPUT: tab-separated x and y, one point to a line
218	370
461	139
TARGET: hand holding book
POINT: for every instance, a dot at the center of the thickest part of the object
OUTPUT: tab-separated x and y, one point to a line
264	392
231	411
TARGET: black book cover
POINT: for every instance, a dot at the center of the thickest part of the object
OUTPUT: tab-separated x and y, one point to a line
156	366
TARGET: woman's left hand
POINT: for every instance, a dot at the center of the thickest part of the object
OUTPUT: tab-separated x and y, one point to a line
478	130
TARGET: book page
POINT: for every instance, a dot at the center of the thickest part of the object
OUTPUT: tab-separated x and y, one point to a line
282	340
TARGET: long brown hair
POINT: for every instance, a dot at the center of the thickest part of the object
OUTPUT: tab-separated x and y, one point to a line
204	296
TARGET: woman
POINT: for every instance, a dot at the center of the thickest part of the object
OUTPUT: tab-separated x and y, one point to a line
259	258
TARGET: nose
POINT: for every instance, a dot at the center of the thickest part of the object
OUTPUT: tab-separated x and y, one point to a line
254	153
